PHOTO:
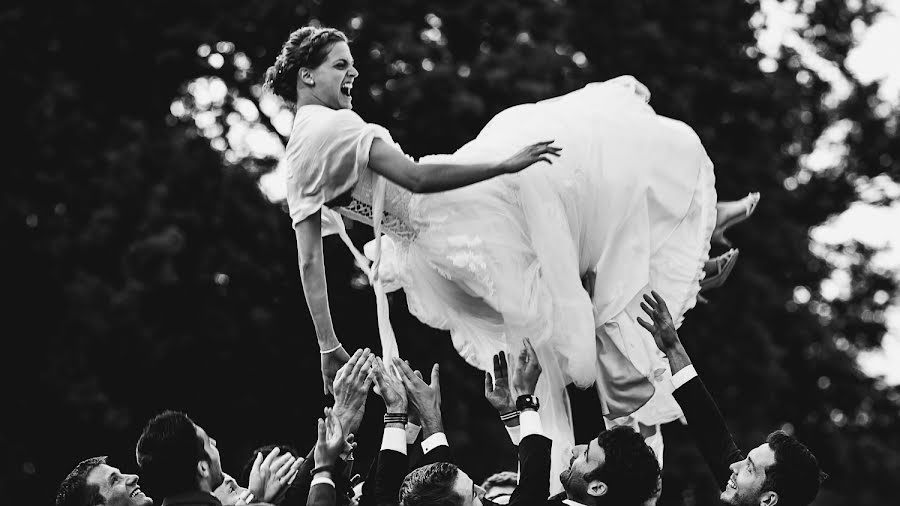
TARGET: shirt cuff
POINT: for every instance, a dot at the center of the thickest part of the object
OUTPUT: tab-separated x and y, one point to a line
530	423
515	434
394	438
433	441
683	376
321	479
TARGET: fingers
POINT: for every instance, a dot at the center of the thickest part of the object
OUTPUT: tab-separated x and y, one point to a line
435	377
503	372
662	303
529	349
321	430
650	328
651	302
284	467
257	463
267	462
361	358
288	478
488	384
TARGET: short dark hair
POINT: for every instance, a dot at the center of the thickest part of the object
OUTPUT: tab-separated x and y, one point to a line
305	47
75	491
431	485
295	494
167	453
795	476
630	469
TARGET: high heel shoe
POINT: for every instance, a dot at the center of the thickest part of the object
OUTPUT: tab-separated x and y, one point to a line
718	269
742	209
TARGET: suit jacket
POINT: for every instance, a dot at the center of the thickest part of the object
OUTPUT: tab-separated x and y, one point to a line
193	498
534	474
321	494
709	430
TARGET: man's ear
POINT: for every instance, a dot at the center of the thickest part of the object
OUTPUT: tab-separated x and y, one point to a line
768	498
202	469
306	76
597	488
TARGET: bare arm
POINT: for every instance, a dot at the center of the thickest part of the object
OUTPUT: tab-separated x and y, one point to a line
315	288
389	162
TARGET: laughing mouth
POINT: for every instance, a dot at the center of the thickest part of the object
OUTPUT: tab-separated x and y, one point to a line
346	88
731	483
135	492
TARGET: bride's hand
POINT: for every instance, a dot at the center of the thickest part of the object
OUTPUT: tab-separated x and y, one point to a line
331	363
529	155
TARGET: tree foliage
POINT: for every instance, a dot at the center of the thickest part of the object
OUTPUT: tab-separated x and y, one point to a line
145	269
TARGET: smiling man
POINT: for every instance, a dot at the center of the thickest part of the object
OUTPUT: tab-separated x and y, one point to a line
780	471
94	482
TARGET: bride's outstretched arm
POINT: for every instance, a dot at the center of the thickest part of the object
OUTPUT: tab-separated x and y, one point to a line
436	177
315	288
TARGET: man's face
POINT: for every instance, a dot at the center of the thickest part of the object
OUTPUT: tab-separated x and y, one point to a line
229	491
585	458
117	489
467	489
747	477
215	464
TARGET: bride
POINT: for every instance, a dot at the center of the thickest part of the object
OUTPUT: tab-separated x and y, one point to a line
494	241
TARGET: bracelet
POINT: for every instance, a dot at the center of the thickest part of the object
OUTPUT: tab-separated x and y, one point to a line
321	469
326	352
396	418
512	415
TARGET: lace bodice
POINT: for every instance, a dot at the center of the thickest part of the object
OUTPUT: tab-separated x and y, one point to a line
396	220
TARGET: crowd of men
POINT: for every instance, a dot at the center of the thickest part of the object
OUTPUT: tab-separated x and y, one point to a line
180	464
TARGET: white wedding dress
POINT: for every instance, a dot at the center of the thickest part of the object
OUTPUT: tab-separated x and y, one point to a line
632	197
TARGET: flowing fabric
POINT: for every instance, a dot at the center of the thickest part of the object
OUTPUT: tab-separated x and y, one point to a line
632	198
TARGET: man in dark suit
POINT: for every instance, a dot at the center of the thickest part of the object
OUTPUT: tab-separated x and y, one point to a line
780	471
180	463
616	468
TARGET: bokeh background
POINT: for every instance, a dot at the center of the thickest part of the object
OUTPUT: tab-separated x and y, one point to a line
148	263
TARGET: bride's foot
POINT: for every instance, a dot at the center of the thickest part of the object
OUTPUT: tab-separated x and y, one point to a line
718	269
731	213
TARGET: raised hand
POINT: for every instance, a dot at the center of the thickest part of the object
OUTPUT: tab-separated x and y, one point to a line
389	387
496	389
271	476
529	155
424	397
330	443
331	363
527	370
351	387
662	328
230	494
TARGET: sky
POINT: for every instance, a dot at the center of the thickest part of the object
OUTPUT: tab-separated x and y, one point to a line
870	60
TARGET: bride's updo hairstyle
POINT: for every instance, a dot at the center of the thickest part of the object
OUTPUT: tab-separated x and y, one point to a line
306	47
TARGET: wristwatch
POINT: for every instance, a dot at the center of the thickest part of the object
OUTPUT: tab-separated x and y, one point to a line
527	402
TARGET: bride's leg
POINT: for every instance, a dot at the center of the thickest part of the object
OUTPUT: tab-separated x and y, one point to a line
731	213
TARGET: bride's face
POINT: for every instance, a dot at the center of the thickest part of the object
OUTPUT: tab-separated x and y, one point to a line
333	79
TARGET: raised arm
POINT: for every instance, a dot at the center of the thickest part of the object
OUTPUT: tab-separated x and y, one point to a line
437	177
312	274
705	422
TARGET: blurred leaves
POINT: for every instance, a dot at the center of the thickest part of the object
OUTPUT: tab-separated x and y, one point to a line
145	270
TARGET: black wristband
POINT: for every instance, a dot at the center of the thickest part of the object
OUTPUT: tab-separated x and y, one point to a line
396	418
512	415
329	468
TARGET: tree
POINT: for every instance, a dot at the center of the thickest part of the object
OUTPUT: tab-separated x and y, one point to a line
148	271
